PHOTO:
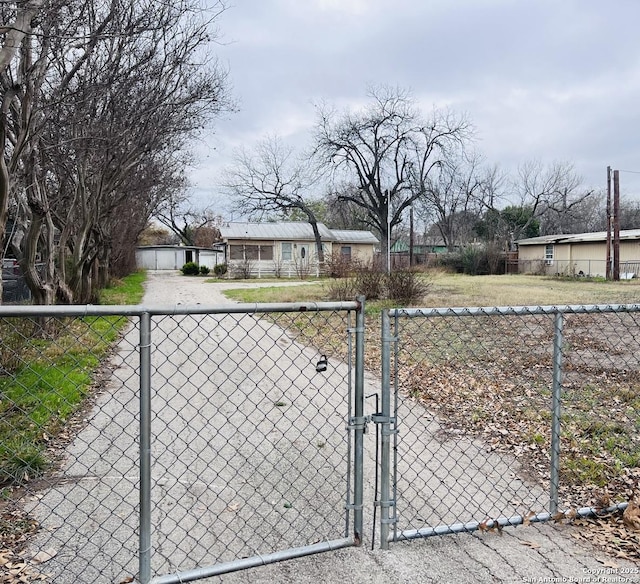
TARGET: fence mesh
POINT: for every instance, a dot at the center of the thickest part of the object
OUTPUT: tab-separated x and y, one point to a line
474	405
248	440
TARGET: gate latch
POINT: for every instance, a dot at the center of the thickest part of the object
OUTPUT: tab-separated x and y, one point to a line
380	419
359	423
391	420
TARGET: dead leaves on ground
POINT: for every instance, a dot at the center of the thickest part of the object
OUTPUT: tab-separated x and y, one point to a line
15	570
491	525
611	534
16	526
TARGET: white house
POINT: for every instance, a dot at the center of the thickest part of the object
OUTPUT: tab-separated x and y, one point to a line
288	249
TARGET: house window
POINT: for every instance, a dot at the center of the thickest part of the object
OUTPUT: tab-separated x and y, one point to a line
266	252
236	252
246	252
548	255
286	251
345	250
251	252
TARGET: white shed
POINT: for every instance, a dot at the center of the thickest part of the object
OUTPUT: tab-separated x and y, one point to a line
173	257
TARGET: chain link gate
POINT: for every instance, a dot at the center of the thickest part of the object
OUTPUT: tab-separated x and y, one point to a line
476	403
225	438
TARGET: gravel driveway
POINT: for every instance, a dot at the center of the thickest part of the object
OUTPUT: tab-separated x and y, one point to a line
249	457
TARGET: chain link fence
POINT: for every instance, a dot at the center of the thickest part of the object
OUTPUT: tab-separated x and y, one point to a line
211	440
170	445
507	416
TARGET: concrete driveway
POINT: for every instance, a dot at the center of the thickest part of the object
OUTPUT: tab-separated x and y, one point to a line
249	458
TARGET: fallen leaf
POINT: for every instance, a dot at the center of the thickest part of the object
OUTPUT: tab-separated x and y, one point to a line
526	521
631	516
233	507
603	501
532	544
608	564
44	556
127	580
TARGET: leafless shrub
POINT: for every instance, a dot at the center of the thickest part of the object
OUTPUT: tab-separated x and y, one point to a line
303	267
406	286
338	265
342	289
370	281
242	269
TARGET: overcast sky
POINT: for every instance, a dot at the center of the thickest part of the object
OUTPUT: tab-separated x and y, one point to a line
554	80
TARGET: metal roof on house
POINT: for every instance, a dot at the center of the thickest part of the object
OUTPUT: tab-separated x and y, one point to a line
354	236
214	247
593	237
282	230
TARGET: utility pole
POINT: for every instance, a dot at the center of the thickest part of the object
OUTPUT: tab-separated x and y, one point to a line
411	242
388	232
616	225
608	270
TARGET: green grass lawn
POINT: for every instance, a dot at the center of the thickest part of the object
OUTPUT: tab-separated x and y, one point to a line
47	367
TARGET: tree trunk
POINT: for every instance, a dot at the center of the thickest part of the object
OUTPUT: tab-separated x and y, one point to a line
318	238
41	282
102	264
4	191
385	239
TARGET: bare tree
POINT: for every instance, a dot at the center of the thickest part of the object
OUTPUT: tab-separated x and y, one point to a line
192	225
19	19
343	213
108	95
551	192
387	151
454	196
269	180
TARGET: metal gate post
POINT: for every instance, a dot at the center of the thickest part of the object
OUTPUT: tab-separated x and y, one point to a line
385	454
555	412
358	457
145	449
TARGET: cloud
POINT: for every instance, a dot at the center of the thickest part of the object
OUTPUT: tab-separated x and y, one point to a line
545	79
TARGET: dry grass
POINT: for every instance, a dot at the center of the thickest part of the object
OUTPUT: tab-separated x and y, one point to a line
446	290
520	290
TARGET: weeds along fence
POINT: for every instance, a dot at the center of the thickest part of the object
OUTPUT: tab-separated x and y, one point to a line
210	440
518	413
